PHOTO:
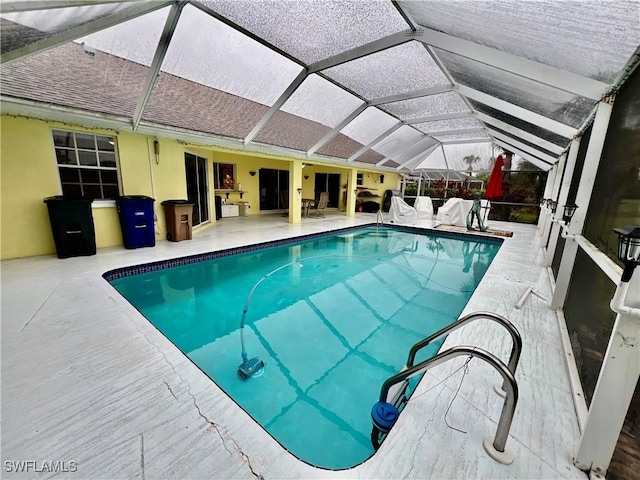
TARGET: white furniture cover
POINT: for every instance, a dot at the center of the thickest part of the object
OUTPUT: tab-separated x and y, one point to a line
455	211
401	212
424	207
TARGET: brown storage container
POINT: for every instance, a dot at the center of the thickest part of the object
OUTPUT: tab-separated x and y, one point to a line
178	214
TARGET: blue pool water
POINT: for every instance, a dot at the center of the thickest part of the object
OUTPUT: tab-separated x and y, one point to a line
334	317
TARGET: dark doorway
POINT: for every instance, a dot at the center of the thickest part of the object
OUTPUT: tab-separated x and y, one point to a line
274	189
328	182
197	192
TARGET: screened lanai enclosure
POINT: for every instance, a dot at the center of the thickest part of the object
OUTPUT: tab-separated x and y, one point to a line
418	92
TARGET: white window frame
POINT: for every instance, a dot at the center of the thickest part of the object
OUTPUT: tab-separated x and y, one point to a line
97	202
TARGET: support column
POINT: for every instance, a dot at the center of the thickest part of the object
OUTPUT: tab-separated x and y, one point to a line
554	195
295	192
544	211
614	390
583	197
562	199
352	180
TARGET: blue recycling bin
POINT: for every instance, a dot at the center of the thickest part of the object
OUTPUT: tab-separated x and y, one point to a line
136	220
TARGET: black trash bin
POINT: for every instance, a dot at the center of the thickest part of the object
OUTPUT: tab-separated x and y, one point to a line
218	207
72	226
136	220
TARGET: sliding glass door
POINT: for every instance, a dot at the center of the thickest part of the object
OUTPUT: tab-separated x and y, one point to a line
274	189
197	191
328	182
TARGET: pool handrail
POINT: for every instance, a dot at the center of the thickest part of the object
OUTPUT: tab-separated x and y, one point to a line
516	349
510	400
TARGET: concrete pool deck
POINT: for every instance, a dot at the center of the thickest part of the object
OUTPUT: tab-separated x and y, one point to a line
87	379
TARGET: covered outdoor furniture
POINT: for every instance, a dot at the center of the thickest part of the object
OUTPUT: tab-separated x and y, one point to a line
424	207
401	212
455	211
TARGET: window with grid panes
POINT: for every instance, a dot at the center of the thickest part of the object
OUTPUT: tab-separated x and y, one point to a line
87	165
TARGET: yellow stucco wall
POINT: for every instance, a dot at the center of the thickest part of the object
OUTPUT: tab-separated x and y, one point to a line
29	174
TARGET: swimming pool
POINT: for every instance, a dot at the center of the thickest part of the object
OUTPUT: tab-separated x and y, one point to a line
331	316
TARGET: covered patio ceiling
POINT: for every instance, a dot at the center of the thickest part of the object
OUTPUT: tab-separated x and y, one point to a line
386	84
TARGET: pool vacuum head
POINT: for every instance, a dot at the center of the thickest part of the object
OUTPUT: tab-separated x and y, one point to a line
250	368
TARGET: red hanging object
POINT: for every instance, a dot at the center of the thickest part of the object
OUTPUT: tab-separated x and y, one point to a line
494	186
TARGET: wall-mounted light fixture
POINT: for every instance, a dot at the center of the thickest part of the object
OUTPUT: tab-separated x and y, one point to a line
306	177
156	150
300	191
252	173
628	249
543	202
553	205
381	178
569	210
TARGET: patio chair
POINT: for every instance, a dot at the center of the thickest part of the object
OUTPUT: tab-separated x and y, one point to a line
322	204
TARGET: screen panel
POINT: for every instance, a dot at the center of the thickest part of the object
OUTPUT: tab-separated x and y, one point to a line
594	39
443	103
397	70
312	31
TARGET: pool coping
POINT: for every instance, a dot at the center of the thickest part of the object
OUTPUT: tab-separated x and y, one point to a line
131	270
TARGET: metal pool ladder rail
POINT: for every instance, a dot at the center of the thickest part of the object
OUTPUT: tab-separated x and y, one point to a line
401	380
383	412
379	219
514	357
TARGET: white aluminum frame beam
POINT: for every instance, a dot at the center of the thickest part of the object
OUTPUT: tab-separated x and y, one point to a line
555	190
524	147
459	131
583	198
28	6
161	50
567	176
293	86
435	118
336	130
527	156
373	142
465	142
384	43
518	112
83	30
420	157
425	92
547	145
357	52
539	72
403	149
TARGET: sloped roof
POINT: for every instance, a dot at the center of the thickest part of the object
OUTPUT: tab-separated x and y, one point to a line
390	84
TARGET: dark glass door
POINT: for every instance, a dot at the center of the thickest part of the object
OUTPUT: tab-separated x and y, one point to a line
328	182
197	191
274	189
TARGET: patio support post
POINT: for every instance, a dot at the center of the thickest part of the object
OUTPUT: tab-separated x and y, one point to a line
583	197
562	199
544	213
615	387
352	181
557	178
295	197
